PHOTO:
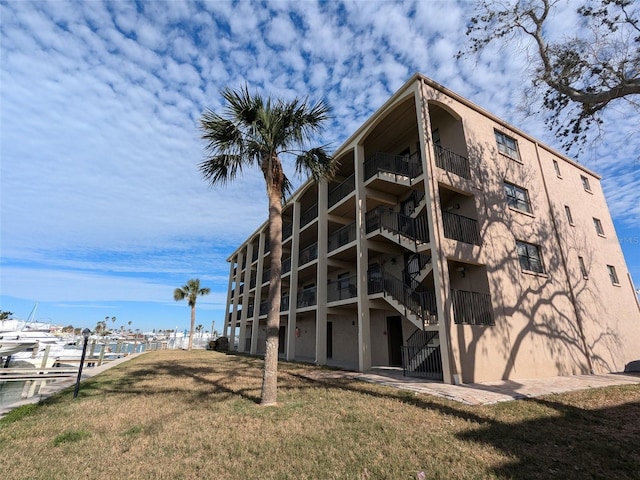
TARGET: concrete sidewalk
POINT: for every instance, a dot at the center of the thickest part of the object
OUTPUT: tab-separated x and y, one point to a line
482	393
60	384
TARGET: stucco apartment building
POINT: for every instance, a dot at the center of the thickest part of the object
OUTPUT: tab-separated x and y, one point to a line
451	244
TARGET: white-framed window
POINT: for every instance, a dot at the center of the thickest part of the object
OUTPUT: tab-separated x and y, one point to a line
585	183
529	257
567	211
556	167
517	197
583	268
598	226
507	145
613	275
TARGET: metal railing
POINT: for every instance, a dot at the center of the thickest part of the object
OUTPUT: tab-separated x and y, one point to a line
252	282
284	303
463	229
342	289
308	254
398	165
342	236
254	253
266	275
340	191
287	230
306	298
409	277
472	308
286	265
452	162
416	229
308	215
420	303
424	362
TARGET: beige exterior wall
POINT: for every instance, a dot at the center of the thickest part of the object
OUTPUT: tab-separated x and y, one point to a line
554	322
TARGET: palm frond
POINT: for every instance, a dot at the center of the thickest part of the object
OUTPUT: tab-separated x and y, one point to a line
317	163
222	169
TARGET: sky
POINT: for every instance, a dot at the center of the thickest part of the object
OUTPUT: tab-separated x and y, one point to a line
103	211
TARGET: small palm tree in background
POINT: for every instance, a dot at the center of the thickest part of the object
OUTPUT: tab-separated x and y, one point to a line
255	132
191	291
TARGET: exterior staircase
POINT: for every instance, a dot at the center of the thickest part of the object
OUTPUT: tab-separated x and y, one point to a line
421	355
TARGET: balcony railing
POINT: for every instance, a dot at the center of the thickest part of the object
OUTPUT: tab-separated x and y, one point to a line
342	289
308	215
414	228
250	311
286	265
452	162
420	303
254	254
399	165
287	230
264	307
340	191
284	303
266	275
342	236
472	308
308	254
306	298
252	282
463	229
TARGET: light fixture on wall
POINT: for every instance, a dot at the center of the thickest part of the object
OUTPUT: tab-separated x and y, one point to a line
455	206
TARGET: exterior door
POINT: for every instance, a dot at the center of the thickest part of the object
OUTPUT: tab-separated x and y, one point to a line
394	339
282	338
329	339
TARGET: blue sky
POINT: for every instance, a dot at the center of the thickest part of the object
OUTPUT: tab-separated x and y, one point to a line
103	211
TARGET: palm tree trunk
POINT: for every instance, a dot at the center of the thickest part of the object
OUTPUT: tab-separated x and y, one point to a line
270	378
193	322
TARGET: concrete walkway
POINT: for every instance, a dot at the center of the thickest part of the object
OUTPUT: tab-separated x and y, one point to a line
482	393
60	384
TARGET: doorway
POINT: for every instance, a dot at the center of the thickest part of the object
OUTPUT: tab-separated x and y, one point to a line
329	339
282	338
394	339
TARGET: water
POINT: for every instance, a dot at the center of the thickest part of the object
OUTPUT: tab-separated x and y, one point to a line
10	392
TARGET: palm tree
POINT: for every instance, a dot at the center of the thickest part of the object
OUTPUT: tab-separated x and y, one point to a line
191	291
254	131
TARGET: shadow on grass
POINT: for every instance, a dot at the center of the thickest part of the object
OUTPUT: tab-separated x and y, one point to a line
562	441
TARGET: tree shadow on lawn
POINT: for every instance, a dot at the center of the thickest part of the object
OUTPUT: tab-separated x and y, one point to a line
563	441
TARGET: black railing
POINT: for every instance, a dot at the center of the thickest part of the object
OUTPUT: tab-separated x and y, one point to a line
452	162
284	303
252	283
420	303
287	230
254	253
342	289
306	298
409	276
286	265
399	165
472	308
308	215
382	218
340	191
424	362
264	307
267	245
250	311
308	254
463	229
266	275
342	236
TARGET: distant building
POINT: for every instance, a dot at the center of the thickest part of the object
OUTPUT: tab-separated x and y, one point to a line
451	244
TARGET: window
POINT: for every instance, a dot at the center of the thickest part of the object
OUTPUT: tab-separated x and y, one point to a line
613	275
556	167
583	269
598	224
585	183
529	256
517	197
507	145
567	210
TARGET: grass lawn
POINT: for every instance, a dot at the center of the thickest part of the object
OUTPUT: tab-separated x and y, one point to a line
194	415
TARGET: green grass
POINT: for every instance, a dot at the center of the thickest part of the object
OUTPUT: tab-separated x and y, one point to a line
192	415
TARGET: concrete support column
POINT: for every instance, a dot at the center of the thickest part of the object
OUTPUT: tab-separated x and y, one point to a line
364	320
227	312
256	301
290	348
321	277
245	298
236	299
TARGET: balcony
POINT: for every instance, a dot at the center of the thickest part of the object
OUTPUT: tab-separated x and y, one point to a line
342	236
340	191
342	289
452	162
308	215
398	165
266	275
463	229
252	282
287	230
286	265
472	308
306	298
383	218
284	303
308	254
254	253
